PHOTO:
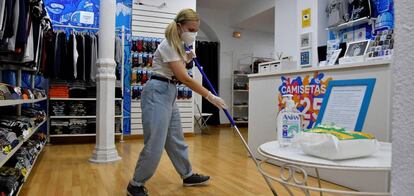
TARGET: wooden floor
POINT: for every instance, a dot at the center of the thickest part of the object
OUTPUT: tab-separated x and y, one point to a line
65	170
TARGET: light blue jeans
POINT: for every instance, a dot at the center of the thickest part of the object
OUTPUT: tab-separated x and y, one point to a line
162	129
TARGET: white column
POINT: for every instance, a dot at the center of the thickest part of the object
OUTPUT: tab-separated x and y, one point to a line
105	150
402	172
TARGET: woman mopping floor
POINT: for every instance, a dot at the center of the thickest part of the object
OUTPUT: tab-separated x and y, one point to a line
160	116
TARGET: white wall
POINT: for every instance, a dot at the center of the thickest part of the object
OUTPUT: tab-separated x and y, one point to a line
230	47
402	173
286	38
249	9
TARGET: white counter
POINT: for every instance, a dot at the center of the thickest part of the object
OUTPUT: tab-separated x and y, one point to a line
263	109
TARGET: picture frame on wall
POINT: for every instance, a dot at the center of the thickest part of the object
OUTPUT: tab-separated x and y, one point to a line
357	49
306	58
305	40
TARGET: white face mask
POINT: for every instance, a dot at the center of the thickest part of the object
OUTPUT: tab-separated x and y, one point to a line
189	37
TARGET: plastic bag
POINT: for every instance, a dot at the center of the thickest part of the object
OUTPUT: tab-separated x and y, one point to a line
329	146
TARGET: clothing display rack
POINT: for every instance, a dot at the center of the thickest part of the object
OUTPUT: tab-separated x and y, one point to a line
76	27
23	140
86	100
122	65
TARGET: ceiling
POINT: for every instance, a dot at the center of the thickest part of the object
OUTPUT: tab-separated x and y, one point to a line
219	4
263	22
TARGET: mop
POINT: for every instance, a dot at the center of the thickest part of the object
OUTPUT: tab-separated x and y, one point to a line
233	123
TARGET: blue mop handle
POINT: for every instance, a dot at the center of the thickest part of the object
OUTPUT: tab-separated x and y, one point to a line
213	90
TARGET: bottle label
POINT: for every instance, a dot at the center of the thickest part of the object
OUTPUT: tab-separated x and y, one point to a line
291	124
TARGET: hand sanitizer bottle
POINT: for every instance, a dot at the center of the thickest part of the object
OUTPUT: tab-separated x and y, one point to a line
288	122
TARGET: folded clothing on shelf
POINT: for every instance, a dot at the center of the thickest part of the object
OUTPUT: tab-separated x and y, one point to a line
12	174
35	113
77	126
59	90
58	108
77	89
77	109
8	140
8	92
59	127
10	180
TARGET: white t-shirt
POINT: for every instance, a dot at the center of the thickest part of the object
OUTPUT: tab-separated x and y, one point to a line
165	54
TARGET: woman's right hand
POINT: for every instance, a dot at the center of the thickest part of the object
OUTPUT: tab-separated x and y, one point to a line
217	101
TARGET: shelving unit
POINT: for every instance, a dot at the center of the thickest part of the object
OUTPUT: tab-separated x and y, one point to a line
240	97
78	135
78	99
30	169
353	23
19	68
20	101
51	117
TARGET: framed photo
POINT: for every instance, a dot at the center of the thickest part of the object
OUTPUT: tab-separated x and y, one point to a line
305	40
346	103
356	49
334	57
306	58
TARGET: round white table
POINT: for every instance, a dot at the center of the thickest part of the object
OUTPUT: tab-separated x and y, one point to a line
294	161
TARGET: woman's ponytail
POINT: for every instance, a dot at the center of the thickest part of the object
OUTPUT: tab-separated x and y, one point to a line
172	34
173	38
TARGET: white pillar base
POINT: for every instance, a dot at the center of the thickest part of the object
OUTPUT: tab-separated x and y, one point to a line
104	156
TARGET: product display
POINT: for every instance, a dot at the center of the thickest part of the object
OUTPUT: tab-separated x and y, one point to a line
8	92
142	53
335	143
337	12
383	45
360	9
21	31
289	122
13	173
143	50
69	59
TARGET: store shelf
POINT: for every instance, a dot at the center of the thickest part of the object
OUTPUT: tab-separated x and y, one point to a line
78	117
352	23
241	121
23	140
34	162
78	99
70	117
34	130
5	159
240	106
241	75
19	101
78	135
16	66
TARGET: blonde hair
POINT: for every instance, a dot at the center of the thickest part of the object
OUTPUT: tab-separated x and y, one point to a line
171	33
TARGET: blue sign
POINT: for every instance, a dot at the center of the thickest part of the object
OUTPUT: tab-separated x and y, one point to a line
77	13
